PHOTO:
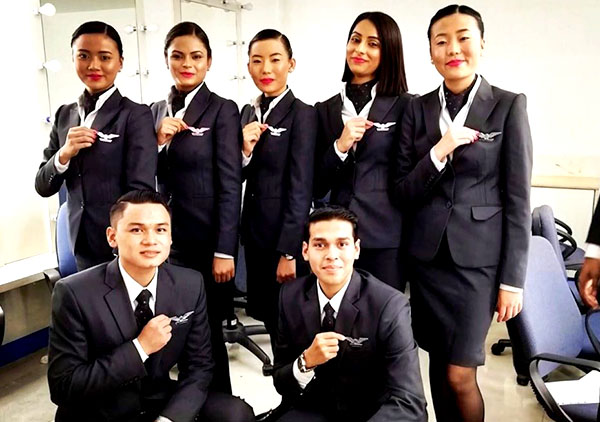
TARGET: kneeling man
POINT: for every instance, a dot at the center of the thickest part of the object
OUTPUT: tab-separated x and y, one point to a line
118	328
345	349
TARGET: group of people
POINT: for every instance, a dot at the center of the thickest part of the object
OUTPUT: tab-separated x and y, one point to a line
433	190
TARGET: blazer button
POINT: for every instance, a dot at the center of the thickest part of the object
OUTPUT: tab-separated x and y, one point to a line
81	204
449	204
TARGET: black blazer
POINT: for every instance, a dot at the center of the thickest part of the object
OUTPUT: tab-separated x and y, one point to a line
481	198
203	175
379	381
95	372
594	233
279	177
362	183
99	175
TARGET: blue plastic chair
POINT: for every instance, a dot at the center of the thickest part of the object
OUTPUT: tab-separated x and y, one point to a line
64	252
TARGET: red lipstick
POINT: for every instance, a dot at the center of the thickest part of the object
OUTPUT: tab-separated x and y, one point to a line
187	74
455	63
266	81
358	60
94	76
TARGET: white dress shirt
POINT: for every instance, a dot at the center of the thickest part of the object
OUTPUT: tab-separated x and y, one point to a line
349	112
261	119
592	251
304	378
446	123
86	122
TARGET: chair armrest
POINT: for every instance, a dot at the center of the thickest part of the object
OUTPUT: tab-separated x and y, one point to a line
539	386
564	225
568	242
51	276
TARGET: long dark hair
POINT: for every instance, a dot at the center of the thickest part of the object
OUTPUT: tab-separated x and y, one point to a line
188	28
451	10
272	34
390	74
97	27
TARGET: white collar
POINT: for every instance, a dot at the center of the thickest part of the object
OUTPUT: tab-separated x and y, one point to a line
461	117
336	300
186	102
89	119
348	110
134	288
256	104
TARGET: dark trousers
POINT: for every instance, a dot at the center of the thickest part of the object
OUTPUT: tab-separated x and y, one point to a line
384	264
219	303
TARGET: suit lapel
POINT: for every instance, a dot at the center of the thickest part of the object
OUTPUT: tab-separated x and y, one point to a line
118	301
248	115
197	106
480	110
431	112
164	305
379	110
348	312
281	110
108	111
311	310
335	117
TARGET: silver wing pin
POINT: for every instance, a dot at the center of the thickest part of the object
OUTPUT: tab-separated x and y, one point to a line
488	137
276	131
106	137
356	342
198	131
182	318
383	127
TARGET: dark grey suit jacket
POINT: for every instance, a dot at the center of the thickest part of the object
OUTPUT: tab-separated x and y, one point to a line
481	198
379	381
203	175
362	182
98	175
95	372
279	177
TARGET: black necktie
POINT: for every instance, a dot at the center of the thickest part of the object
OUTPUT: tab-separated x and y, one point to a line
328	323
143	313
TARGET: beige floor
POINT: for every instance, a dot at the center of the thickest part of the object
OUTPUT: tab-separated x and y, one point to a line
24	391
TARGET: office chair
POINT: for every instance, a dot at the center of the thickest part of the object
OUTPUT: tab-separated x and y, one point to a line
550	321
236	332
64	255
572	254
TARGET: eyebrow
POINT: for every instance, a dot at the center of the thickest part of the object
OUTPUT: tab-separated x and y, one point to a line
322	239
371	36
191	52
151	224
441	34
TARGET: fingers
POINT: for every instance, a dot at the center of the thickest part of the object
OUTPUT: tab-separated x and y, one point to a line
509	305
589	291
223	269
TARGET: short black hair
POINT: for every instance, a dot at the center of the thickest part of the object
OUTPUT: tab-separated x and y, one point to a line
451	10
136	197
329	213
188	28
97	27
390	74
271	34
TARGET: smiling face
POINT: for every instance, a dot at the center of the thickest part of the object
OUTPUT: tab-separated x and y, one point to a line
269	66
97	61
142	234
363	52
188	61
456	47
331	251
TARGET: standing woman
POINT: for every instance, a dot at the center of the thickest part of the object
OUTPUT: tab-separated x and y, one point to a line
102	146
357	139
464	171
200	166
278	151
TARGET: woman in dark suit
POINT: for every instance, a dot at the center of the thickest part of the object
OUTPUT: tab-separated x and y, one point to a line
357	139
278	151
102	146
199	138
464	170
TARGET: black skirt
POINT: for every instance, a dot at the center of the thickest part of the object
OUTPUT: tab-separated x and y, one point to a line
452	308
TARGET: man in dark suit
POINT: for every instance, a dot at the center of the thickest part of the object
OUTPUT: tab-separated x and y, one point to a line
118	328
590	273
115	153
345	349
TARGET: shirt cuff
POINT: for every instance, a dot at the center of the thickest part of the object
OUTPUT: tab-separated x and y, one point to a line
439	165
592	251
60	168
510	288
161	147
342	155
223	255
163	419
246	160
303	378
140	350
